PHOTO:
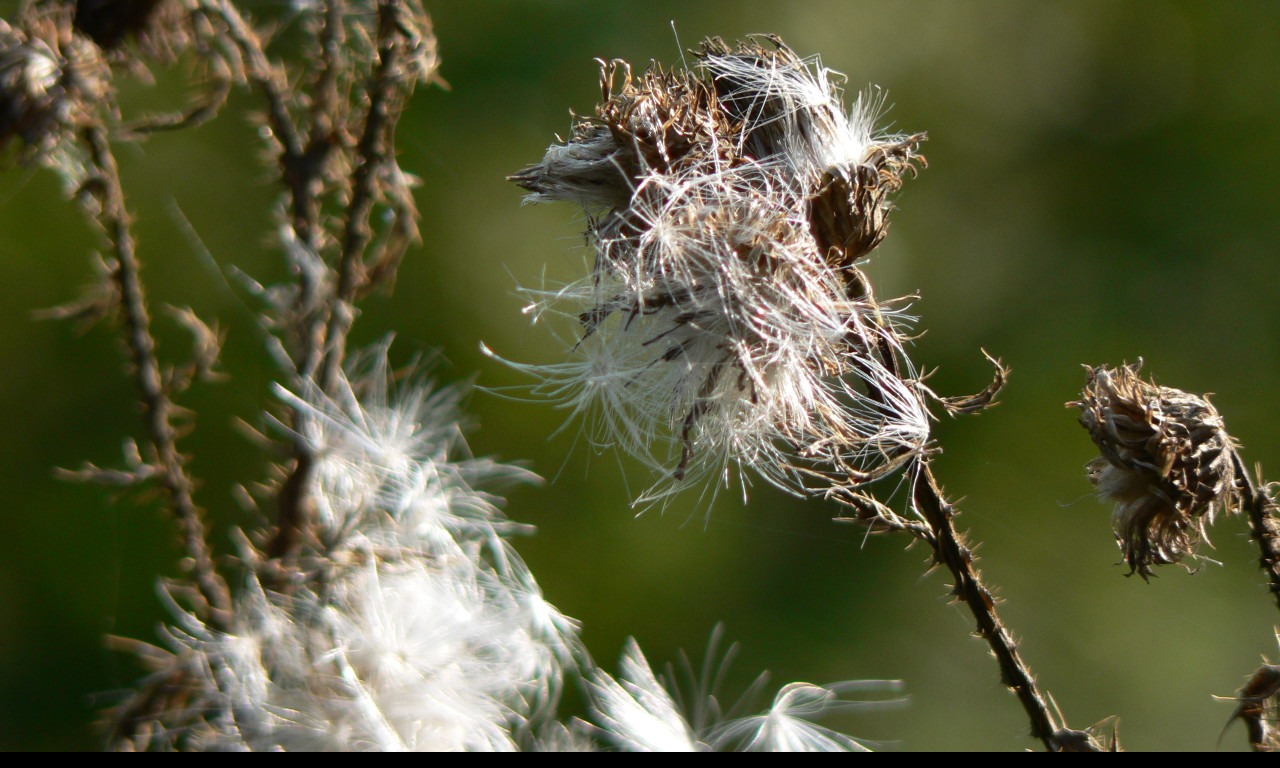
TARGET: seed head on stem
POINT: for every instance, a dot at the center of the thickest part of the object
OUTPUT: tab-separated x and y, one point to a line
725	321
1167	462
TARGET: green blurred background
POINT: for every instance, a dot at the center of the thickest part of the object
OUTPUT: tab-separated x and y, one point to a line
1102	185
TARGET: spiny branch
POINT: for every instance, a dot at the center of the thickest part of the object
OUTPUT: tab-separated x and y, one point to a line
950	550
158	409
1264	523
372	156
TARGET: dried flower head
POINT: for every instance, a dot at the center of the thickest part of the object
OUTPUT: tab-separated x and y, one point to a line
51	79
725	320
1167	463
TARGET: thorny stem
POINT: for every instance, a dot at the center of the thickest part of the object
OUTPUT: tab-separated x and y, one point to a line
325	93
158	409
292	502
301	159
268	79
371	154
323	321
1264	523
950	550
303	175
301	162
300	178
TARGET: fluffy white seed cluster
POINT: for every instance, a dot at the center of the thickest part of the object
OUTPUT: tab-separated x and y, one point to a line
725	321
413	624
416	627
640	713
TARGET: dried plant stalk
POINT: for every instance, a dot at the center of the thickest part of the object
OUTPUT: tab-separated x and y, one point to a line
158	408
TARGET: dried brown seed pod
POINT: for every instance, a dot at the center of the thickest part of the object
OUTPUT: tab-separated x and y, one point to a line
1167	463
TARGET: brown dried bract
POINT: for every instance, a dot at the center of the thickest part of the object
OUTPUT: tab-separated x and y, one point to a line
1259	709
849	213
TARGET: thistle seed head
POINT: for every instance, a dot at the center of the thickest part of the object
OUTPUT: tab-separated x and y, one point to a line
725	320
52	79
1167	462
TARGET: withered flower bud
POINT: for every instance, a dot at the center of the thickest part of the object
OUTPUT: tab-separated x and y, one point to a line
50	79
1167	463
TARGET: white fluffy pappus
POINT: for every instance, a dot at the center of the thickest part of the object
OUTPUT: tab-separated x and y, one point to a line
642	712
717	328
414	624
417	626
792	110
